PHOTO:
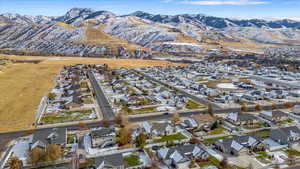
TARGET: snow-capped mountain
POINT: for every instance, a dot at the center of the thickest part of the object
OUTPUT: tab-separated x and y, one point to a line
86	32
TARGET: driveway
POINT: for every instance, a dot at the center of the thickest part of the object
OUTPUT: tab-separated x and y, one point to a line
244	161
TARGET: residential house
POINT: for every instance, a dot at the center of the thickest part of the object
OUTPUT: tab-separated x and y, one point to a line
175	156
102	138
286	135
274	116
109	161
41	138
158	128
190	123
238	145
241	119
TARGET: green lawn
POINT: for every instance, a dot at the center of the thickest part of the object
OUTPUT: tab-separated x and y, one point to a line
212	140
192	105
262	133
145	109
285	122
65	116
254	126
219	130
212	162
132	160
172	137
292	152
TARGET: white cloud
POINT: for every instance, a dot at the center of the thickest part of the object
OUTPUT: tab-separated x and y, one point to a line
224	2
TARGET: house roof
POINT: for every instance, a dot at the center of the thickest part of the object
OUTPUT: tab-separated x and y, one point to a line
287	131
191	122
102	132
158	127
237	143
180	153
113	161
241	117
274	113
50	136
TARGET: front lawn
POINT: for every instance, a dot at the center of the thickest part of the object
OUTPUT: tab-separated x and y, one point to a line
212	140
262	133
132	160
145	109
219	130
263	157
255	126
66	116
292	152
212	162
168	138
192	105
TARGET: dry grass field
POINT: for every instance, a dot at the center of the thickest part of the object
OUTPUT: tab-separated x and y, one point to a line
22	85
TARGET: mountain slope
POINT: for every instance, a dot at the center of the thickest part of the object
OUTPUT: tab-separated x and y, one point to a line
85	32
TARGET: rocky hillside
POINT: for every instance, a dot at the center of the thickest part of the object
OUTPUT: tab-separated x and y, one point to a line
85	32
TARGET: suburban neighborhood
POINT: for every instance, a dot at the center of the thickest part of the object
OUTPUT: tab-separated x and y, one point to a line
204	115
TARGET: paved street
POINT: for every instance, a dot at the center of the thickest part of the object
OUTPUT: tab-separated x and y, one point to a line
104	105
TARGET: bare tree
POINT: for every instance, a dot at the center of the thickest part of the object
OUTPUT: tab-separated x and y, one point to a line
15	163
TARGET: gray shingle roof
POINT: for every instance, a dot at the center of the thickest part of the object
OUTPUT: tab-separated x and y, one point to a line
50	136
114	160
101	132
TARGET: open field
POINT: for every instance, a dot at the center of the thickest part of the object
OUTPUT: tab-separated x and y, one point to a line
22	85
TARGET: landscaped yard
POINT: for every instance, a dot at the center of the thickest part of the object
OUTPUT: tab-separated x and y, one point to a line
212	162
132	160
145	109
262	133
168	138
192	105
219	130
292	152
212	140
66	116
263	157
285	122
254	126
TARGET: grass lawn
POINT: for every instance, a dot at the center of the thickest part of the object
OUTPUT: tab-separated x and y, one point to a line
263	157
262	133
285	122
172	137
65	116
212	162
292	152
145	109
212	140
192	105
219	130
255	126
132	160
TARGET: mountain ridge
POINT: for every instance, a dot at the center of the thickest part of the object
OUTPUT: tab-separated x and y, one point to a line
141	34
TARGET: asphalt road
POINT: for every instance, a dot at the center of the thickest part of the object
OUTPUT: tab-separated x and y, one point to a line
104	105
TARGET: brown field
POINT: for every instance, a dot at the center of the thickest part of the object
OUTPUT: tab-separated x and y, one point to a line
62	24
22	85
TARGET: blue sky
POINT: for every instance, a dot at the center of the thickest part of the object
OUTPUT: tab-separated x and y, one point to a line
222	8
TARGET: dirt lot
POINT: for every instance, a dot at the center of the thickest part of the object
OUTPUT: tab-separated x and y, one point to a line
22	85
